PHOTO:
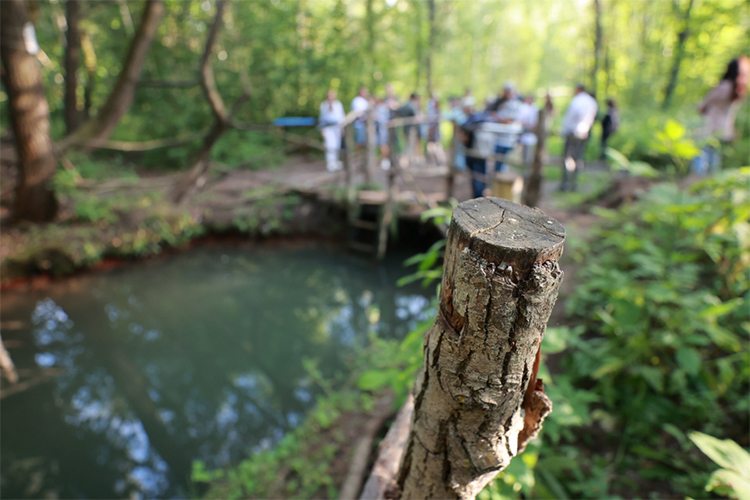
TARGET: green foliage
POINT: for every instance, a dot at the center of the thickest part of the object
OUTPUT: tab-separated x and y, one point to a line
673	142
256	150
662	314
636	168
393	364
733	479
301	464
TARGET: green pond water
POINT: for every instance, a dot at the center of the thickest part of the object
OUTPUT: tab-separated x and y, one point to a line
198	355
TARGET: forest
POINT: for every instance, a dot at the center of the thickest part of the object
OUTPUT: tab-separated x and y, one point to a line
216	284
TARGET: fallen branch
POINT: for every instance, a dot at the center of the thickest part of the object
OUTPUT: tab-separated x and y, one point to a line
139	146
170	83
46	376
9	369
382	480
361	455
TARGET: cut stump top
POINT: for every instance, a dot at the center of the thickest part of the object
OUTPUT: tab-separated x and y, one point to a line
502	231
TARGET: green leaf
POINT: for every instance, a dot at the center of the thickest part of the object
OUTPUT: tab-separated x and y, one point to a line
725	452
686	149
689	360
739	485
653	376
721	309
375	379
673	130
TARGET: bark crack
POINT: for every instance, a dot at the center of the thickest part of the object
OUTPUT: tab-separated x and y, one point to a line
480	231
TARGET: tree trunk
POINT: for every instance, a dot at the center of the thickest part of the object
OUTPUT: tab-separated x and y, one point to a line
201	163
533	184
29	115
72	56
89	60
430	44
679	53
370	27
121	97
477	401
597	46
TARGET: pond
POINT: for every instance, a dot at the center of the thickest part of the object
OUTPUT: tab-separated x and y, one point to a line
199	355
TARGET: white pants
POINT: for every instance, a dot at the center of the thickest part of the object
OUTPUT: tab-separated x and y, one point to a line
332	141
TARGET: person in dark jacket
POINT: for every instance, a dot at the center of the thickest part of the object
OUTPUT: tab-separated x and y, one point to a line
610	122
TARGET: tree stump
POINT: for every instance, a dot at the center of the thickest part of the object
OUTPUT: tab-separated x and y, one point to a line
476	400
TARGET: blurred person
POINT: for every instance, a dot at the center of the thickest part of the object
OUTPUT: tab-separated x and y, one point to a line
457	115
361	103
549	112
720	107
434	148
331	114
391	99
528	115
468	101
505	110
579	118
382	116
610	122
476	150
411	109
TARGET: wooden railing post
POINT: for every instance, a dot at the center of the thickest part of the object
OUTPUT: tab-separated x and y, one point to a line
412	144
476	400
371	160
349	161
450	177
532	192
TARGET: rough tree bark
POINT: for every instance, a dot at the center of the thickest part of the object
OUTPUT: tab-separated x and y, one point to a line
533	189
72	58
103	124
679	54
477	402
29	116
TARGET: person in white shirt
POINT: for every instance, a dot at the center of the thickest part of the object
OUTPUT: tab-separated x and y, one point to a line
579	118
361	103
528	115
331	114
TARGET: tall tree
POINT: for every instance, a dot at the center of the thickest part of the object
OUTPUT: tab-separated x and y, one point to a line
29	114
121	97
597	45
678	53
430	42
72	57
370	27
223	117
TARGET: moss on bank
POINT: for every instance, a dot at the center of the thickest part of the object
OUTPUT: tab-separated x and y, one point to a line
126	227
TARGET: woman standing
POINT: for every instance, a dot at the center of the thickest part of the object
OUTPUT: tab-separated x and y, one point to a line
719	108
331	114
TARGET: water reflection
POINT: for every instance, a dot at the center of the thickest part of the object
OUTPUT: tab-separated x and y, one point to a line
195	357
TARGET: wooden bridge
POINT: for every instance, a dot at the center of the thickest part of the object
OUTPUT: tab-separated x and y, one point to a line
413	183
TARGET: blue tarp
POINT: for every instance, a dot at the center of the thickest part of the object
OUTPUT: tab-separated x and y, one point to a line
295	121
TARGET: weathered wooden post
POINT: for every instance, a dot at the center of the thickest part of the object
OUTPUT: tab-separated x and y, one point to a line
451	175
412	142
534	183
350	174
372	145
477	402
